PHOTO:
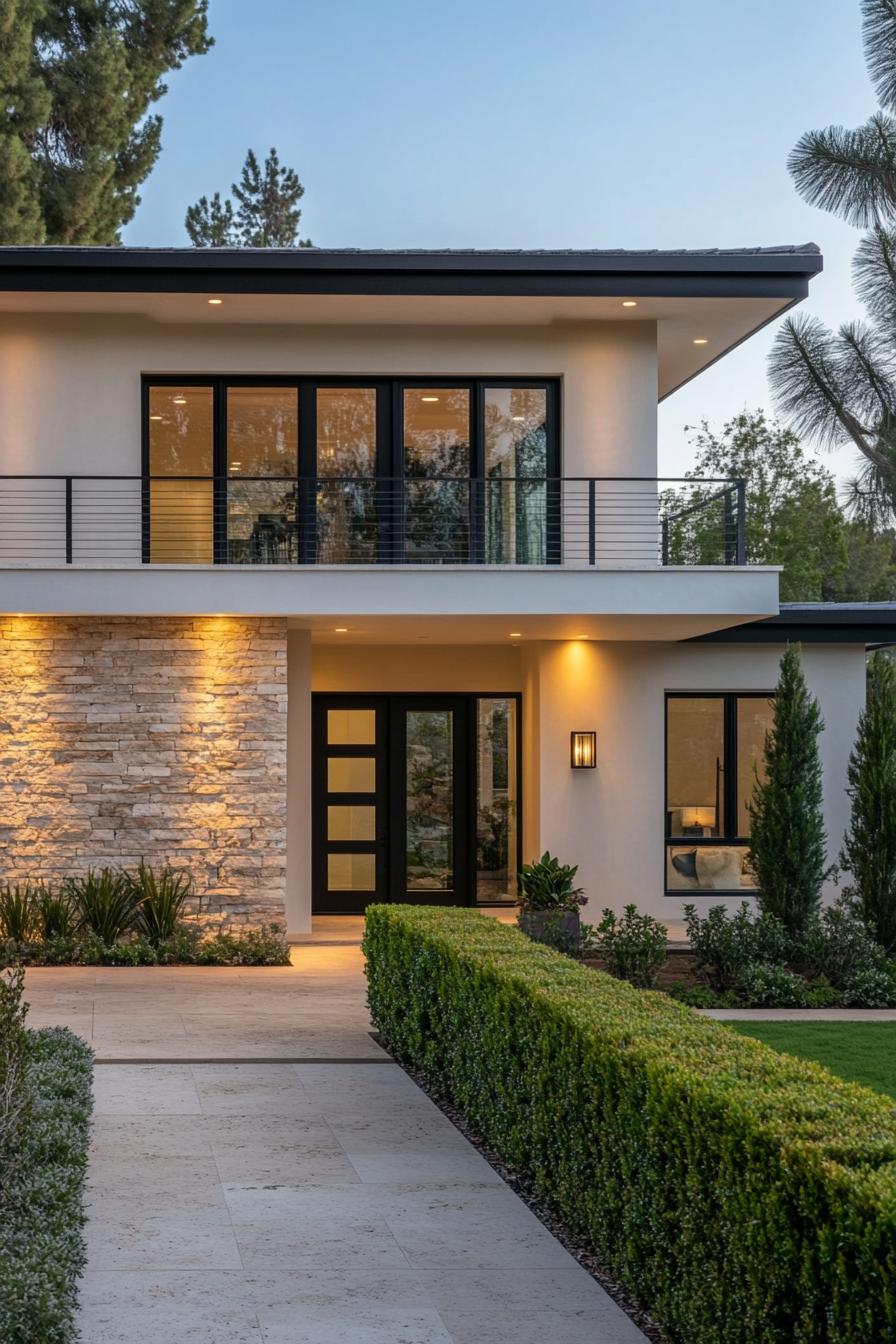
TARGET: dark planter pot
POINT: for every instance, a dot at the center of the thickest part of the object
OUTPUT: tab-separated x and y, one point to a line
565	922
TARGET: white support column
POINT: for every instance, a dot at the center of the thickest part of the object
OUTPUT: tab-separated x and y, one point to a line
298	783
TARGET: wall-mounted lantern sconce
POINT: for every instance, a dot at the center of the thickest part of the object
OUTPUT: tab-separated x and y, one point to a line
583	751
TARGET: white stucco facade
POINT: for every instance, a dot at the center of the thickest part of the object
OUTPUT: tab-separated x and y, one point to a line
593	641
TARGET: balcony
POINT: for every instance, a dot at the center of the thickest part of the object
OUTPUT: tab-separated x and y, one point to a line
501	522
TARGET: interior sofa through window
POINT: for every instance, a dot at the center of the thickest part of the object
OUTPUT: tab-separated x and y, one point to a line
714	754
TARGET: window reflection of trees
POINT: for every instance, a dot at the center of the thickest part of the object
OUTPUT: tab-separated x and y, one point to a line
346	515
430	801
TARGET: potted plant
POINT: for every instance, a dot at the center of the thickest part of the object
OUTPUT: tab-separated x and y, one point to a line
549	902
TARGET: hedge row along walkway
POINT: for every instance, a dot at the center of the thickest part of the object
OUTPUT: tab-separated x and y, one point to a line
266	1202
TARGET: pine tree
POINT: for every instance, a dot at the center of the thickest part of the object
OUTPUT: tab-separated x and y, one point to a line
869	847
210	223
266	213
27	102
82	95
787	846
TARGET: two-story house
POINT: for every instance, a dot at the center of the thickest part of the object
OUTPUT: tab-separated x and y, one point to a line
340	576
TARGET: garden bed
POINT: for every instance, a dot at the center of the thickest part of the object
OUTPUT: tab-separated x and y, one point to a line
44	1134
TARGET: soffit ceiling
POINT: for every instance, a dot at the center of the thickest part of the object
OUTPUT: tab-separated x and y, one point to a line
680	321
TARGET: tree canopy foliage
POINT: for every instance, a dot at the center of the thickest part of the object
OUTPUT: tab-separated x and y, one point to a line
78	81
264	211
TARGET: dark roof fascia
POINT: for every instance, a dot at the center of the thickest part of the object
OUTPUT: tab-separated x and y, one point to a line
781	274
872	625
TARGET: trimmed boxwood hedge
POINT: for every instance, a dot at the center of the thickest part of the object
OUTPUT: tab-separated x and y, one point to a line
746	1197
41	1218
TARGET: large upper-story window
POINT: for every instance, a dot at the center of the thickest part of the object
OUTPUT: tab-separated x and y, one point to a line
350	471
714	754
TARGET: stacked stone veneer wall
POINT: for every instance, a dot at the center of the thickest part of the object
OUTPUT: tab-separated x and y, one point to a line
160	738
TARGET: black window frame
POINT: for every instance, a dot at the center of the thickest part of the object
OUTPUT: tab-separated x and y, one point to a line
390	445
730	810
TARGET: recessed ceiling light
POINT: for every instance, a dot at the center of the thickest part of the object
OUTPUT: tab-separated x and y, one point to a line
517	417
215	303
429	398
516	634
179	400
700	340
155	417
629	303
341	629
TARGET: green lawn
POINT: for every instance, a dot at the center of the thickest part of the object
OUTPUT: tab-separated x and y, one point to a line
863	1052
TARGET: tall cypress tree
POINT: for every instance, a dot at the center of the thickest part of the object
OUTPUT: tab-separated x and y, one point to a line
869	847
787	846
81	77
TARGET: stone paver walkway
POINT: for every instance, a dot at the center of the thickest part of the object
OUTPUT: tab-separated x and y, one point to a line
292	1203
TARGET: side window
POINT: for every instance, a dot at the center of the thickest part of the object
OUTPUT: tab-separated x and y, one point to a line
714	752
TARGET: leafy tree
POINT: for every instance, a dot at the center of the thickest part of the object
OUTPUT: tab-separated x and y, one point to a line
841	387
78	80
869	847
266	213
787	845
792	515
870	573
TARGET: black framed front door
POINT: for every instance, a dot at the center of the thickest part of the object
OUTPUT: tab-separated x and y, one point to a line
393	806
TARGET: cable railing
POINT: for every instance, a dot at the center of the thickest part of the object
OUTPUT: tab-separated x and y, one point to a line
575	522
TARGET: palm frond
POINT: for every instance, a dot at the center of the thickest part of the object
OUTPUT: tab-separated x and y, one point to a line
879	37
849	172
866	373
805	381
874	274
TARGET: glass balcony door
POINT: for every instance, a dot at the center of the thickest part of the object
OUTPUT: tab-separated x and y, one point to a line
297	470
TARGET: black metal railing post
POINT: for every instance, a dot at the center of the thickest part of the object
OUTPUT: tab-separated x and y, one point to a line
741	547
592	522
729	529
69	528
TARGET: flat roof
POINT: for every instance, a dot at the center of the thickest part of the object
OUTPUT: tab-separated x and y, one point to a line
870	623
703	302
702	272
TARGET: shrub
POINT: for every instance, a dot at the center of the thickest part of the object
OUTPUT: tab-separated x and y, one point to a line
57	915
632	945
15	1097
839	946
763	986
548	885
18	911
787	845
743	1195
874	988
41	1219
266	946
869	846
105	902
724	946
159	899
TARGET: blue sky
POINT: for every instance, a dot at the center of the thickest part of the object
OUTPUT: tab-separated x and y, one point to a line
526	124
